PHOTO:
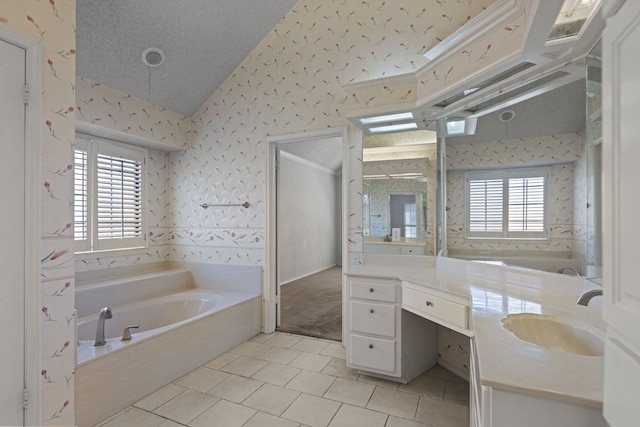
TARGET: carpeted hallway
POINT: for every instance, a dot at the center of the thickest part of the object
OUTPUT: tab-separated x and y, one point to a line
312	305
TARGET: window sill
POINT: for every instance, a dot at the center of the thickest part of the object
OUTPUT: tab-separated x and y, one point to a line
110	253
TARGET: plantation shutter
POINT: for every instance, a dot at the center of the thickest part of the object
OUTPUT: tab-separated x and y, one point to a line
80	197
486	206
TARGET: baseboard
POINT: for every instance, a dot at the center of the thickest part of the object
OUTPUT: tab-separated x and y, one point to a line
457	371
309	274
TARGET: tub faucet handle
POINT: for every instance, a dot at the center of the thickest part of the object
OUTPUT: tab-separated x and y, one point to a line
126	334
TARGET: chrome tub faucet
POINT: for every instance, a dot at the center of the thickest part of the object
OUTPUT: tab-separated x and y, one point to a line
105	314
588	296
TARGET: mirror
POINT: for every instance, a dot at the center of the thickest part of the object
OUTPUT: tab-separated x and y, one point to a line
524	189
399	192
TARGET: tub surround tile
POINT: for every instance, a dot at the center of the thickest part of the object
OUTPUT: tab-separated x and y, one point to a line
393	402
202	379
351	392
262	419
283	356
276	374
271	399
311	362
312	411
235	388
352	416
159	397
186	406
311	383
338	368
310	345
244	366
222	361
223	414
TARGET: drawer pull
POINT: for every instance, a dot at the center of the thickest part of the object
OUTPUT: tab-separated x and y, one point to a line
429	304
371	311
371	290
370	345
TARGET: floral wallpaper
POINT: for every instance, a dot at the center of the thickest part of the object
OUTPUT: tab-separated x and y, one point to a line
52	23
562	152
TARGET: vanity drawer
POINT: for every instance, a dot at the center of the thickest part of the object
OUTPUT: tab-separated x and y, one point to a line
436	308
372	353
373	318
374	291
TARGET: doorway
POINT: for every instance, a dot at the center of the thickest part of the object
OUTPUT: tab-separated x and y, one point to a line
306	223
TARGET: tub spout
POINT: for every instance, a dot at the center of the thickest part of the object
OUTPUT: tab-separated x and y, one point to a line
105	314
573	270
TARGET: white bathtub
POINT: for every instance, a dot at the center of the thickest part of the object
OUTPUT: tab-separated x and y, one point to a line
178	332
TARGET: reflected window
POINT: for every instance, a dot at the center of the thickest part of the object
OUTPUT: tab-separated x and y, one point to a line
572	19
410	223
507	204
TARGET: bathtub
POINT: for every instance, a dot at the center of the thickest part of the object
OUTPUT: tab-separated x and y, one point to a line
179	331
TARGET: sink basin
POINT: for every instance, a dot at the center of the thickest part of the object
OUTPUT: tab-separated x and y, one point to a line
555	334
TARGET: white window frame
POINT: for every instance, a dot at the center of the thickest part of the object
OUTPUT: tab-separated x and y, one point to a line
93	244
505	175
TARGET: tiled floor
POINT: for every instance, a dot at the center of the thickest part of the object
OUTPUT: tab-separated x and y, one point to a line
290	380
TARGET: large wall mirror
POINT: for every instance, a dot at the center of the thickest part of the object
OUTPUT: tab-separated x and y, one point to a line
524	189
399	176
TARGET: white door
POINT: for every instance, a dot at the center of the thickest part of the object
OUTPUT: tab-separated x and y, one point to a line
621	214
12	156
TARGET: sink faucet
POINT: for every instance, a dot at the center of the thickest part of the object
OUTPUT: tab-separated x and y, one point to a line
561	270
587	296
105	314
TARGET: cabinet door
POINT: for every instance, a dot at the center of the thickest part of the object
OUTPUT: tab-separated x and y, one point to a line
621	211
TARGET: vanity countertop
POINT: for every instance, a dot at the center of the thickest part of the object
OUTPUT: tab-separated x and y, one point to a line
493	292
406	241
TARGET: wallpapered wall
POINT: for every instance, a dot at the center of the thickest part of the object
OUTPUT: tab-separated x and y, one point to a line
561	151
52	24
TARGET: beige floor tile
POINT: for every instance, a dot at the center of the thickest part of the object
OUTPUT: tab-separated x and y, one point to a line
398	403
279	339
251	349
310	345
271	399
280	355
222	361
312	362
244	366
276	374
312	411
351	392
224	414
351	416
159	397
439	413
170	423
401	422
262	419
425	385
456	392
311	383
134	417
235	388
202	379
335	350
261	338
379	382
338	368
186	406
444	374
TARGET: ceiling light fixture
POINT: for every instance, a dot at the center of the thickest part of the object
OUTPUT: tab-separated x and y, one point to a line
152	57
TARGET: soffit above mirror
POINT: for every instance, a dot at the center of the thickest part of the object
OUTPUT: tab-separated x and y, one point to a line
504	49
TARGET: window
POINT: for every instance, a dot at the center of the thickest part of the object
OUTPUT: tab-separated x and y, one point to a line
410	227
508	204
109	196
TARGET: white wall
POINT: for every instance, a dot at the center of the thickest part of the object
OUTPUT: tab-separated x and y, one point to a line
308	232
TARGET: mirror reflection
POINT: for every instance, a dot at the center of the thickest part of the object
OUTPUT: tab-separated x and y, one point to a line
399	193
523	190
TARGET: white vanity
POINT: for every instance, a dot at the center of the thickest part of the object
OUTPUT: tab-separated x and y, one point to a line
394	311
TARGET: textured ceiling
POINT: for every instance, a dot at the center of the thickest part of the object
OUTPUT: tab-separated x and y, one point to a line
326	152
203	42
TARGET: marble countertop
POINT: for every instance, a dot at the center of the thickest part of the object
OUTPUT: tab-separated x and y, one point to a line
404	241
493	292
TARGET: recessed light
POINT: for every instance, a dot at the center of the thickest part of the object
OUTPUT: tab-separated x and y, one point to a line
386	118
394	128
152	57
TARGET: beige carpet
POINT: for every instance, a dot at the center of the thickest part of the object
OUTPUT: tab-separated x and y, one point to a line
312	306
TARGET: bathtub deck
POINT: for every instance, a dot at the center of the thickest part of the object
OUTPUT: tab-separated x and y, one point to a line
289	380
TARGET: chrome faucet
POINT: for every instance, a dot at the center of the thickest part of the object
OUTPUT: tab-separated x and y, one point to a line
105	314
587	296
561	270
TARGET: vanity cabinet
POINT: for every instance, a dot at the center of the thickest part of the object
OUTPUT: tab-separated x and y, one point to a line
383	340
